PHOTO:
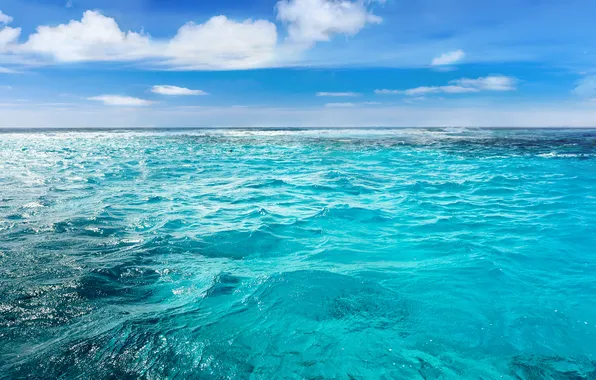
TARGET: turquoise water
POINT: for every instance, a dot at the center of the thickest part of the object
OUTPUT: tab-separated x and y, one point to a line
376	254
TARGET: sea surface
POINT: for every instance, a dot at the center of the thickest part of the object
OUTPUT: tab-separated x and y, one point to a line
298	254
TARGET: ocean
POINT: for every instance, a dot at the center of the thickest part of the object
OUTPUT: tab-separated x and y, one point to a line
298	254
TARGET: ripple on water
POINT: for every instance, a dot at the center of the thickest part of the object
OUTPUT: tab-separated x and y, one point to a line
317	254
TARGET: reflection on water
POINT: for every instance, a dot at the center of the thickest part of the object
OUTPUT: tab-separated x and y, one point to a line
347	254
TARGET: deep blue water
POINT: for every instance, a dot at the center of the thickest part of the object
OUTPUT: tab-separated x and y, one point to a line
376	254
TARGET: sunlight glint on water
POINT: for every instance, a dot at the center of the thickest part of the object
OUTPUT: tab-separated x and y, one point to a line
306	254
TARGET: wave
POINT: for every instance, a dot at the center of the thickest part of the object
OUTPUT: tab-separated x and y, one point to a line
431	253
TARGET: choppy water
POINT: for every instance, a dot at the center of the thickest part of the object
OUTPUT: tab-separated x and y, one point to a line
377	254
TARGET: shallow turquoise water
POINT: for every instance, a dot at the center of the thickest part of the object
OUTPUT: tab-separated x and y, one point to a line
377	254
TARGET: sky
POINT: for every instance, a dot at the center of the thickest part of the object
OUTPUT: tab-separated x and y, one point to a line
297	63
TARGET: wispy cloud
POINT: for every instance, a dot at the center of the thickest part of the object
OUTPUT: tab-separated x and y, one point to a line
388	92
4	18
350	104
448	58
340	105
450	89
6	70
117	100
414	100
490	83
337	94
174	90
459	86
586	87
423	90
513	115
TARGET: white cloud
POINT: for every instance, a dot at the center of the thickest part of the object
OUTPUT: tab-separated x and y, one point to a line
310	21
117	100
350	104
174	90
337	94
6	70
219	43
448	58
490	83
94	38
4	18
455	89
388	92
450	89
422	90
8	36
223	43
586	87
415	100
459	86
340	105
541	114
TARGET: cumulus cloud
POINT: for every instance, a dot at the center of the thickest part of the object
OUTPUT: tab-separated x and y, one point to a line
94	38
174	90
221	42
117	100
218	43
8	37
459	86
311	21
448	58
337	94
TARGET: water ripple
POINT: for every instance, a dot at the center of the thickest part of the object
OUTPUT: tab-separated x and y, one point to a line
345	254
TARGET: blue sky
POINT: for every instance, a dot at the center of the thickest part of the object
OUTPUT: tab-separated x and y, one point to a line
325	63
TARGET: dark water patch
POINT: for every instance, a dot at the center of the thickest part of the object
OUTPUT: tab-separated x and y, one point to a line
40	309
324	296
121	283
139	349
353	213
89	226
155	199
238	244
223	284
265	184
529	367
239	344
